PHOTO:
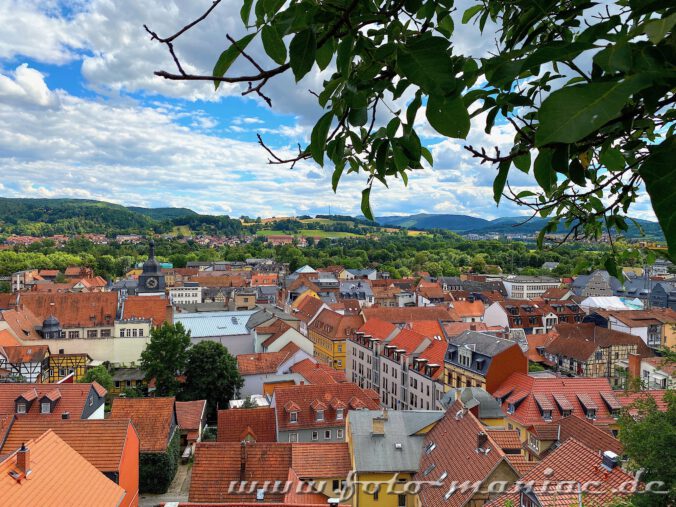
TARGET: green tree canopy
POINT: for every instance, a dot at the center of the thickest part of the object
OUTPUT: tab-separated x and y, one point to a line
588	90
165	357
98	374
211	374
649	439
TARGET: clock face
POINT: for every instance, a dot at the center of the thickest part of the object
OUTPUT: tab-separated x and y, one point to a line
151	283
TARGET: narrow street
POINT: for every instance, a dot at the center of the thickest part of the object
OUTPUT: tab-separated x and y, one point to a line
177	492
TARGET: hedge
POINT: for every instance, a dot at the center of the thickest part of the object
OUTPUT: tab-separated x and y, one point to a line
157	470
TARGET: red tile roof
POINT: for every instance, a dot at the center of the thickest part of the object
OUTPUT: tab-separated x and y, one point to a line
305	395
101	442
506	439
520	463
589	435
258	279
377	328
157	309
408	314
308	308
429	328
189	414
335	326
153	419
217	464
455	453
321	460
219	281
75	398
408	340
318	373
576	463
261	363
25	353
7	339
457	328
628	399
558	391
466	309
235	423
23	322
538	340
88	309
59	476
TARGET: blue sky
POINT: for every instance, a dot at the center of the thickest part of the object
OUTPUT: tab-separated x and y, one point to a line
82	115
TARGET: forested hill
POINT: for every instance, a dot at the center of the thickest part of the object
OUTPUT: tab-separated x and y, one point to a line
46	217
465	224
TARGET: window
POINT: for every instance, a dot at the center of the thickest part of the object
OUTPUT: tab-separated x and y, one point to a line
105	333
598	355
327	435
401	501
375	493
293	417
92	333
591	413
339	413
547	415
62	372
117	384
20	408
293	437
134	333
128	383
45	407
315	435
320	415
339	433
73	334
140	332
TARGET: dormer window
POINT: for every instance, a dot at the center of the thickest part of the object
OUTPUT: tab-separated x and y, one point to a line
510	408
547	415
339	413
591	413
566	413
21	408
320	415
293	417
45	407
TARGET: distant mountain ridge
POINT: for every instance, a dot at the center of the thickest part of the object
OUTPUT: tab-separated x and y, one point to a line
466	224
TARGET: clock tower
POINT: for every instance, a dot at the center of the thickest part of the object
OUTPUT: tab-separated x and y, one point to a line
151	280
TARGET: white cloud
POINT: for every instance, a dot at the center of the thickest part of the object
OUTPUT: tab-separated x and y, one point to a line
27	86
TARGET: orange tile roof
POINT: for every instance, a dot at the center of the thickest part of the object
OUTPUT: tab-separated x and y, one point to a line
23	322
557	390
457	328
153	419
627	399
467	309
74	399
217	464
455	453
189	414
318	373
409	314
101	442
258	279
321	460
589	435
304	395
377	328
335	326
520	463
261	362
219	281
408	340
7	339
74	309
308	308
576	463
234	423
59	476
535	341
157	309
506	439
429	328
25	353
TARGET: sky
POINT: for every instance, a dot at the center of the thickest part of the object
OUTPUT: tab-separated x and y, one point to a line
82	115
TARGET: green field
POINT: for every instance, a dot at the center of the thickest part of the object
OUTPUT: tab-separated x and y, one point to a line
310	232
181	229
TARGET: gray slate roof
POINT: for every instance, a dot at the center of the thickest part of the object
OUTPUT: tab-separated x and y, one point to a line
482	343
378	453
206	324
489	408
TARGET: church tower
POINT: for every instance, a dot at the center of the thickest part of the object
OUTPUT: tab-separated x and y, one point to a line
151	281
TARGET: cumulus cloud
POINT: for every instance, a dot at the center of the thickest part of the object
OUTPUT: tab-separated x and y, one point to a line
27	86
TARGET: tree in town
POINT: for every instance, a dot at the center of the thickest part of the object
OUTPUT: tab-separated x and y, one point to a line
211	374
649	438
164	357
98	374
588	90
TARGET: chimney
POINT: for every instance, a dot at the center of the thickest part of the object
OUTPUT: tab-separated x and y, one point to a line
65	415
634	365
23	459
378	427
610	460
333	502
481	439
169	314
242	461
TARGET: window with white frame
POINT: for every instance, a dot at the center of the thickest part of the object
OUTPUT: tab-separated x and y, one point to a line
45	407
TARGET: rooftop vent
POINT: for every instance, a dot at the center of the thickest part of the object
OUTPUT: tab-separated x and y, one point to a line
610	460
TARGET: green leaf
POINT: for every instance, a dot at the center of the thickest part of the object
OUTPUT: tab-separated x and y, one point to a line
427	155
657	29
615	57
358	117
229	56
525	193
392	127
337	173
344	55
500	180
302	51
544	171
570	114
659	177
273	44
576	172
522	162
366	204
471	12
445	26
400	158
612	159
449	117
611	267
245	11
272	6
425	62
412	109
325	54
318	137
